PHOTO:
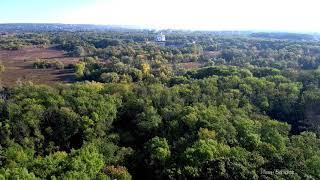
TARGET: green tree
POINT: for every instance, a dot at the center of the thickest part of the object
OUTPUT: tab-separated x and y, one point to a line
159	149
52	165
79	51
86	160
205	150
79	69
17	173
149	119
109	77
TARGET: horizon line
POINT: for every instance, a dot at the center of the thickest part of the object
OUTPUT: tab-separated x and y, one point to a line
144	27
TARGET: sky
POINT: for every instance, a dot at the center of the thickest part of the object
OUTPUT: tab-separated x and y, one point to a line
259	15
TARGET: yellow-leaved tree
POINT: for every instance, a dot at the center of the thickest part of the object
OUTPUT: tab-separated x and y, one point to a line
145	68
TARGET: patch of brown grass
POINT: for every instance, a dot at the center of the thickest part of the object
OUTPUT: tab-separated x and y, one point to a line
18	66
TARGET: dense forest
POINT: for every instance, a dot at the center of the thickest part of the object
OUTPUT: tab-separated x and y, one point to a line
204	105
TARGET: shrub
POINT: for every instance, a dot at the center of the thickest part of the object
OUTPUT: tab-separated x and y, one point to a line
41	64
58	65
2	68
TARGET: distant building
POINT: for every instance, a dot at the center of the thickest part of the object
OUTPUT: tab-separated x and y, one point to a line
160	38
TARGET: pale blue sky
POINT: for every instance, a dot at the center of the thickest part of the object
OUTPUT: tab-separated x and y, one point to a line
24	11
282	15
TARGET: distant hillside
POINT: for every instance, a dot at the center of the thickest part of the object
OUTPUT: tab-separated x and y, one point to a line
287	36
59	27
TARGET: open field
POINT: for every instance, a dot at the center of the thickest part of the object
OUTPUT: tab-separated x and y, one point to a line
18	66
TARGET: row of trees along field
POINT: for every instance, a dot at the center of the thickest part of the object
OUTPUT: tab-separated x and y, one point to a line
249	110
